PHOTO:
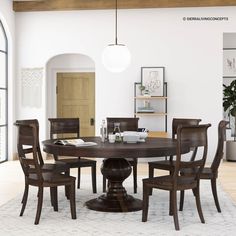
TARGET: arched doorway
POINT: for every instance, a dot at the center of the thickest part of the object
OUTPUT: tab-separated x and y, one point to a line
71	90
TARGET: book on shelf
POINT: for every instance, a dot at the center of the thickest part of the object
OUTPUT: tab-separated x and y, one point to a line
145	110
74	142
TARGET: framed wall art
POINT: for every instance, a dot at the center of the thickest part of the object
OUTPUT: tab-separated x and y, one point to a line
153	79
229	62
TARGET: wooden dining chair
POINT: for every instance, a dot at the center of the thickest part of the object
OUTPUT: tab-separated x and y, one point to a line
70	127
195	137
169	163
126	124
57	166
27	143
210	173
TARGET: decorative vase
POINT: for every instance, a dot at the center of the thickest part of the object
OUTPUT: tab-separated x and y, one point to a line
146	93
230	150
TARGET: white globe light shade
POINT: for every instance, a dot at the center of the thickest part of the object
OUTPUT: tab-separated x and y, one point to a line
116	57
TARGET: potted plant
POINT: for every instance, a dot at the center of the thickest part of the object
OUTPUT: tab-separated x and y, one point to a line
229	104
144	90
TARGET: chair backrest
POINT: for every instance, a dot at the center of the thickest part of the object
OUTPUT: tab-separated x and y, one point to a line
126	123
182	121
220	146
25	123
64	126
27	143
196	136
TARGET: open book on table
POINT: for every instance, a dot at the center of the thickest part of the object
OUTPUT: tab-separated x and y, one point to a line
74	142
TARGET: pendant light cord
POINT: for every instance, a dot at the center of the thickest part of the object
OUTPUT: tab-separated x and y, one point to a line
116	25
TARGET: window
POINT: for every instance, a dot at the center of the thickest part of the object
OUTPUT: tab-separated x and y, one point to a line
3	93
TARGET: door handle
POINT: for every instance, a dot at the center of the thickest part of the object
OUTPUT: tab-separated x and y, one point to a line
92	121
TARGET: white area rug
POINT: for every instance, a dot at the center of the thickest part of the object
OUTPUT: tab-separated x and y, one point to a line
98	223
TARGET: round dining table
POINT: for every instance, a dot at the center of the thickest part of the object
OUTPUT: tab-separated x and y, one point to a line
115	167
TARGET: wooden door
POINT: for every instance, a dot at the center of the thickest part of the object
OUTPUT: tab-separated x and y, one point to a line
76	98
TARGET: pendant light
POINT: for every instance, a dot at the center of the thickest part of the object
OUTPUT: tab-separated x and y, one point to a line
116	57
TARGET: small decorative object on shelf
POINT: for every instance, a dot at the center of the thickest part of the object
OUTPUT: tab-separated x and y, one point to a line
146	107
142	88
144	91
145	110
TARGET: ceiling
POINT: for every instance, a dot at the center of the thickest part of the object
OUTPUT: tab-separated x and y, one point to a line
58	5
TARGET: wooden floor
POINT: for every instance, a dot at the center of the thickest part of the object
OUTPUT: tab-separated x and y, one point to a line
12	178
227	178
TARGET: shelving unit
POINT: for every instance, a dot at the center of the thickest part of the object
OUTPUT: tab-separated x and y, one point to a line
156	106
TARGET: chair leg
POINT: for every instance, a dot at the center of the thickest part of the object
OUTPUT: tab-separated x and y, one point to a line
103	184
146	191
24	195
150	175
51	196
94	181
39	207
24	200
198	203
214	191
174	209
54	199
181	203
72	200
67	189
135	177
78	178
170	204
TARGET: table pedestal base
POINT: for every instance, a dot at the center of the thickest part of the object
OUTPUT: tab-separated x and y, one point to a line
106	204
116	170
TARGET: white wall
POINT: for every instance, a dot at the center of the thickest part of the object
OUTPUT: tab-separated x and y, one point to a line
7	16
191	52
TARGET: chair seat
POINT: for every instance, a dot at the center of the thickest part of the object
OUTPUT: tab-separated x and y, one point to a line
78	162
50	178
163	165
56	167
166	182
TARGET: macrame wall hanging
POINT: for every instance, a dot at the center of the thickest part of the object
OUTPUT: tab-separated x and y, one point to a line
31	87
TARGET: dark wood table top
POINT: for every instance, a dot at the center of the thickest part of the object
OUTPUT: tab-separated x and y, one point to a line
153	147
